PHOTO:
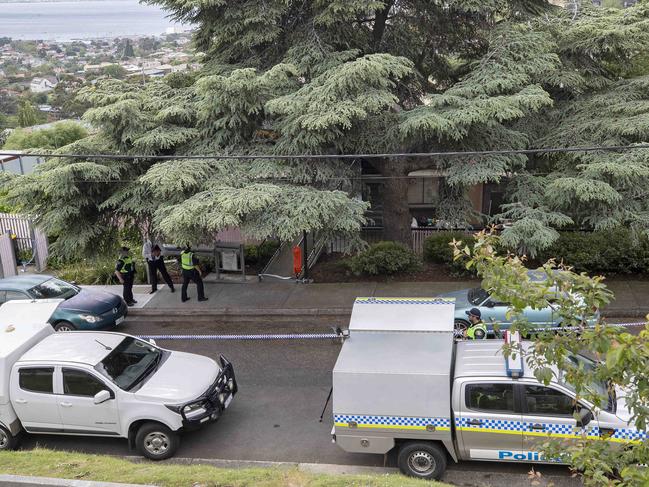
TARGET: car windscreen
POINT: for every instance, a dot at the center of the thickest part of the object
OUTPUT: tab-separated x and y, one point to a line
54	289
130	362
598	388
477	296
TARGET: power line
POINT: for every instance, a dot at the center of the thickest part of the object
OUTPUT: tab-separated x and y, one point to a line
395	155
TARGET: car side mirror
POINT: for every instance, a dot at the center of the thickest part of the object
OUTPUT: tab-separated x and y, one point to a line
74	283
490	304
584	416
152	341
102	396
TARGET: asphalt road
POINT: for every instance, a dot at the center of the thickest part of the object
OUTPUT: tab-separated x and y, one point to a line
282	389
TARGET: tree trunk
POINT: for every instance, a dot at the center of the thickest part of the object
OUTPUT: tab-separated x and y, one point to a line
396	213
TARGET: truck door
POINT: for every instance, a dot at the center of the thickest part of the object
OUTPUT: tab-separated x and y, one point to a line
33	399
77	407
489	422
547	413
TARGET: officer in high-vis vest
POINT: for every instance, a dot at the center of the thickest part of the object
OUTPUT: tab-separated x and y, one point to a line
477	329
191	272
125	272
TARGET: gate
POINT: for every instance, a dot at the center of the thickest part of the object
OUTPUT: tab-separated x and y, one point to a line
30	243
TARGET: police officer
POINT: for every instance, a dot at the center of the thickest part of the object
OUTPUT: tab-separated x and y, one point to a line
125	272
477	330
156	263
191	272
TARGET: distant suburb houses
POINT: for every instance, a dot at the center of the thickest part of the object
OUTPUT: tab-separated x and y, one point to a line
43	85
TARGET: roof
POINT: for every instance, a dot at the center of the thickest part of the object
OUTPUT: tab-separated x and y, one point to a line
402	315
483	358
21	320
23	283
79	347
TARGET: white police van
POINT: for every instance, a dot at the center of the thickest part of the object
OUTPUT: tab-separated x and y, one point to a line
400	382
102	384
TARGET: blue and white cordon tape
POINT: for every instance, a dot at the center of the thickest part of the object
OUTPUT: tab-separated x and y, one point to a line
323	336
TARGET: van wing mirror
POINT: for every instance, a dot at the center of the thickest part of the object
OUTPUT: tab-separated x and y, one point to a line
102	396
584	416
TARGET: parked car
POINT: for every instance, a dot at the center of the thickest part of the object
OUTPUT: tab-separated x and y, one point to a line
82	309
102	384
496	312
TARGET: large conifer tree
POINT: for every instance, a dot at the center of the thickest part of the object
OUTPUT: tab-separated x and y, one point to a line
359	76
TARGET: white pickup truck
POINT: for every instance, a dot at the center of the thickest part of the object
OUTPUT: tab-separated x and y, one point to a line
401	383
102	384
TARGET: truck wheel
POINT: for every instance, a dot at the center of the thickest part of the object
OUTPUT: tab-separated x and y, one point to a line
422	460
64	326
7	440
156	442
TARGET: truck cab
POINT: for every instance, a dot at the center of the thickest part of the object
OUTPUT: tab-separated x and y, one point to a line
103	384
402	383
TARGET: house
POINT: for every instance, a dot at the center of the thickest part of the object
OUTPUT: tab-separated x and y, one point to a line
42	85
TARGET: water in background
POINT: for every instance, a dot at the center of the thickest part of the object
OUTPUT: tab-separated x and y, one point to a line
85	19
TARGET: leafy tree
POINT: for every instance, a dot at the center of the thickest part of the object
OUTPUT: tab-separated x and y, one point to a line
114	71
332	77
27	113
620	376
61	134
128	50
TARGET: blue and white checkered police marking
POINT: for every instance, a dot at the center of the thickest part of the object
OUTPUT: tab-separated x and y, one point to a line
432	301
550	429
393	422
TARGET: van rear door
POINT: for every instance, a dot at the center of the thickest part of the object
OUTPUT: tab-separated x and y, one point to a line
489	423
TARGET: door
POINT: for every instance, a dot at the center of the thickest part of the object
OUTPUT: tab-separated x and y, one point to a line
547	413
495	313
77	407
489	423
34	401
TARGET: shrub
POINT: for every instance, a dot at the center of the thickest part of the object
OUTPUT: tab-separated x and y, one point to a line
384	258
438	250
260	254
611	252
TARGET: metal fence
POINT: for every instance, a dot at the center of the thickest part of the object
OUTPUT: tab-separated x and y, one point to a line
30	240
20	226
372	235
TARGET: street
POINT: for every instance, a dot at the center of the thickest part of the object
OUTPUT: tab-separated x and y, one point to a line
282	388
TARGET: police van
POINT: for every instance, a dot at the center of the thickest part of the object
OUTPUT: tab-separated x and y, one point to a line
401	383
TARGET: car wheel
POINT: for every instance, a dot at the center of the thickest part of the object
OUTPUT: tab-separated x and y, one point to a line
422	460
156	442
7	440
64	326
461	327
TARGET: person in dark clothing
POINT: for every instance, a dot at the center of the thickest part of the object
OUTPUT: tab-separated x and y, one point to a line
191	272
156	263
125	272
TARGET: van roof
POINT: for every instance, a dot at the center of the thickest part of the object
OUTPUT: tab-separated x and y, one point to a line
484	358
78	347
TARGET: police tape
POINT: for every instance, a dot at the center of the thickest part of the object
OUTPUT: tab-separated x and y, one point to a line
265	336
331	336
566	328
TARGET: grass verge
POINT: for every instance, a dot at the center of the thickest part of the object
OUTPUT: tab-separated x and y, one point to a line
53	463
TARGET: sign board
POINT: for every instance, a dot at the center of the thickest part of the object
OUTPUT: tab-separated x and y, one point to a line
230	260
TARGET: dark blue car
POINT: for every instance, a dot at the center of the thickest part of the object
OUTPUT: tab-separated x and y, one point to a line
82	309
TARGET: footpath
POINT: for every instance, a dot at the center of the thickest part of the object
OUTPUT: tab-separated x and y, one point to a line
286	299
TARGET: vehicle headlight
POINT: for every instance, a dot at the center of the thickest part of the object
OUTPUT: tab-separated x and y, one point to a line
90	318
190	410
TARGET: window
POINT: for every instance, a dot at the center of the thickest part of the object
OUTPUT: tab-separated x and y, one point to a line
544	401
11	295
54	289
36	380
130	362
79	383
490	397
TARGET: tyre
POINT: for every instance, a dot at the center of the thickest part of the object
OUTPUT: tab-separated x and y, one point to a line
156	442
7	440
64	326
461	327
422	460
